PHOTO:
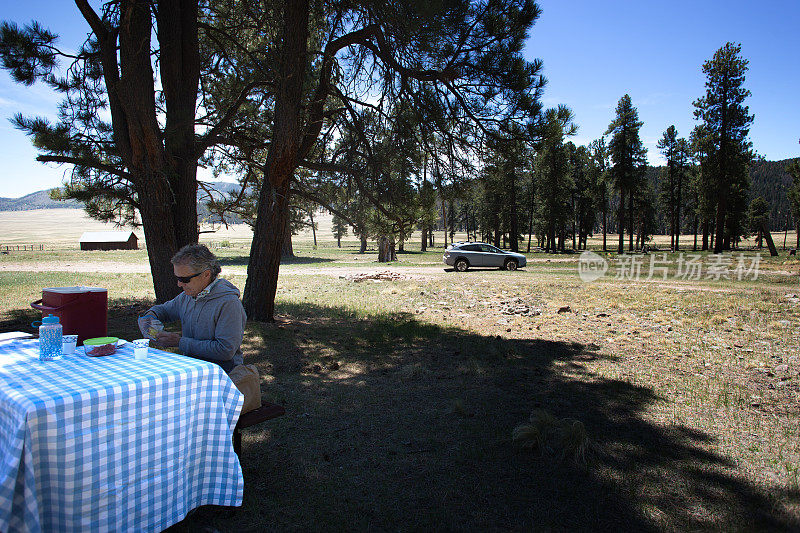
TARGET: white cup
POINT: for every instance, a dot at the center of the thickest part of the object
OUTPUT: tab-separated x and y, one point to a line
68	344
141	347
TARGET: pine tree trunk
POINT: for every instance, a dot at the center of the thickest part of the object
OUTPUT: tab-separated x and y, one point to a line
444	222
770	244
161	244
513	225
265	253
604	219
180	76
424	241
574	244
386	252
163	164
273	202
363	248
630	220
313	229
621	222
287	251
678	226
722	208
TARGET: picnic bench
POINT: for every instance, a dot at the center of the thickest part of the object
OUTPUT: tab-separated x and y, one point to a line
267	411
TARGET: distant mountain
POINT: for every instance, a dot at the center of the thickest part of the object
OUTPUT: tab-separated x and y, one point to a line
770	180
37	200
42	200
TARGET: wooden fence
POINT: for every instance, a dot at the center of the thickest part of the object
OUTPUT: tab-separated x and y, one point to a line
21	247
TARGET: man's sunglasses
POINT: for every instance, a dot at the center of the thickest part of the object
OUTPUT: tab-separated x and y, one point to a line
187	279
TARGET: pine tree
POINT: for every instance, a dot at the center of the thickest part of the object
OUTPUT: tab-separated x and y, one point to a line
459	65
758	218
553	177
505	156
130	147
339	229
628	156
599	158
676	151
726	120
583	194
702	192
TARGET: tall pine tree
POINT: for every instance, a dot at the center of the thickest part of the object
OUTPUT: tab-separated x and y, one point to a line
676	151
599	167
726	120
554	182
628	156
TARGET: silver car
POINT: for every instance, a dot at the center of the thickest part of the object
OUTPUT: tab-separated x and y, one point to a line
464	255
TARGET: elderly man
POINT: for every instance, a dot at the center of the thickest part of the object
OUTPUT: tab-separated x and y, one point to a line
211	314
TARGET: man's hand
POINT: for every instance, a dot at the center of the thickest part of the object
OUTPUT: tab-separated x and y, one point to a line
167	339
150	326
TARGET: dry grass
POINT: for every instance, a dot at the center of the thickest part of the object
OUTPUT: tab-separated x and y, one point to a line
61	229
656	405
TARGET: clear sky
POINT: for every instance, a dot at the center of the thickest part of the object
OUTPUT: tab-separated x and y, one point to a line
593	53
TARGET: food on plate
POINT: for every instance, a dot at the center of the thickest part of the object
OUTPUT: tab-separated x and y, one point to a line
100	346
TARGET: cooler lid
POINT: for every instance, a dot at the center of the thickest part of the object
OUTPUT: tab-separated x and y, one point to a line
74	290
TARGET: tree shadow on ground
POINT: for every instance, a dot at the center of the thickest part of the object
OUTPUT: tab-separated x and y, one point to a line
19	320
122	315
393	423
396	424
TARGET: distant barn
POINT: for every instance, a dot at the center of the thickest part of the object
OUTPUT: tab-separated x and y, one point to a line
109	240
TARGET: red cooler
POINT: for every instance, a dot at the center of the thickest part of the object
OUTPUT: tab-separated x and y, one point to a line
82	311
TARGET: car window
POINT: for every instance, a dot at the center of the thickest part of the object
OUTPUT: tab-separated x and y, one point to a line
487	248
471	248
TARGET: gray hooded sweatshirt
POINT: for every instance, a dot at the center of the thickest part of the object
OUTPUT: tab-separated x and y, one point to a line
212	324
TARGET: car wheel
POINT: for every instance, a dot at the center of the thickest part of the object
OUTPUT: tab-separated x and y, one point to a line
461	265
511	264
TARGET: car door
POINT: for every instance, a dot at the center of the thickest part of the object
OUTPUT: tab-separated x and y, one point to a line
492	257
473	254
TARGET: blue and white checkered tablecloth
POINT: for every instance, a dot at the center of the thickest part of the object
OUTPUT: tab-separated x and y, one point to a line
111	443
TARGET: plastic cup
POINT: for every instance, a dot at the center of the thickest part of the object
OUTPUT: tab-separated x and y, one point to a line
68	344
141	348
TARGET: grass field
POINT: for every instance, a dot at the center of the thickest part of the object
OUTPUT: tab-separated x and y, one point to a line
658	404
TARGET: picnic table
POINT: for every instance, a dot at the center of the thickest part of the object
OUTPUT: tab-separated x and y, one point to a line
112	443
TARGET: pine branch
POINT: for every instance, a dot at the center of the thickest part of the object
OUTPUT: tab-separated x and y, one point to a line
85	163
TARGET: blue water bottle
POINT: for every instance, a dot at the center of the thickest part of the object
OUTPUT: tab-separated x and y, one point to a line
50	338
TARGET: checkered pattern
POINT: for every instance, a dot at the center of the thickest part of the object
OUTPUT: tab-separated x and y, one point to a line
111	443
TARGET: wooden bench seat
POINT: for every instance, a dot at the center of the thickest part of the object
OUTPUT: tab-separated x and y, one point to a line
267	411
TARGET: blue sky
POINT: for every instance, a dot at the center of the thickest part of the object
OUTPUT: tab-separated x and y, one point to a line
593	53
